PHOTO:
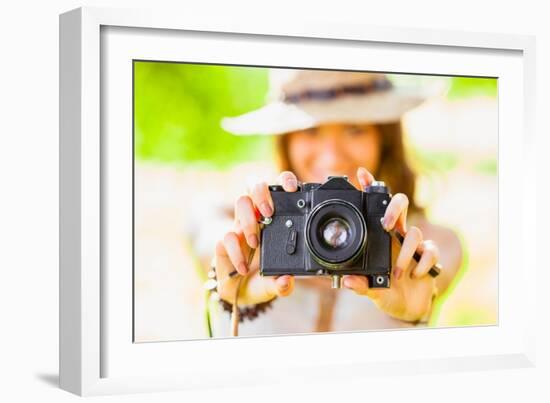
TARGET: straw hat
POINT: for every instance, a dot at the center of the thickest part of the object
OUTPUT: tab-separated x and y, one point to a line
301	99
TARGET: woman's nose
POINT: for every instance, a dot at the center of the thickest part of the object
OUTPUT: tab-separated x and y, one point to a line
332	155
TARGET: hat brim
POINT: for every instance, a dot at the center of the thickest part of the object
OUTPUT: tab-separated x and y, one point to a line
280	117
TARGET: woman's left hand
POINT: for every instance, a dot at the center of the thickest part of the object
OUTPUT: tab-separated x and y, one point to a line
409	297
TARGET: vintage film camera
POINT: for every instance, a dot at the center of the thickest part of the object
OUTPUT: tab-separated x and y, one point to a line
328	229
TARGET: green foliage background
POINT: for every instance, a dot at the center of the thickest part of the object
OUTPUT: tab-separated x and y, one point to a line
178	108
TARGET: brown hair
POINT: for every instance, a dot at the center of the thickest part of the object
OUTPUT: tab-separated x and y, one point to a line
394	169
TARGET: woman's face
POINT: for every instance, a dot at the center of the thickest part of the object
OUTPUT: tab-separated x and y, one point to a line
334	149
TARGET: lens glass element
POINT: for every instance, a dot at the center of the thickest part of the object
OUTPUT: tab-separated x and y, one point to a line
336	233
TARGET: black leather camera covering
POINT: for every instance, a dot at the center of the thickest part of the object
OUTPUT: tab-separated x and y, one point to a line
283	241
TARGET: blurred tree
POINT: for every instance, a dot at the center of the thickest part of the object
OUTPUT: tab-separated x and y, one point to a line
465	87
178	108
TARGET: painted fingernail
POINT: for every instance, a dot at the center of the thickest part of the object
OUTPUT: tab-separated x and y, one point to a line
397	273
291	183
252	240
267	211
242	268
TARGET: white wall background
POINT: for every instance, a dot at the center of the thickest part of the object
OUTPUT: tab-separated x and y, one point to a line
29	198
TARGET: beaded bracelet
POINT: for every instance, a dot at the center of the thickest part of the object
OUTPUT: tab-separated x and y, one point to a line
249	312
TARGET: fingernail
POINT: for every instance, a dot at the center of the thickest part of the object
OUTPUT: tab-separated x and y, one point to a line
242	268
291	183
252	241
267	211
397	273
386	223
347	283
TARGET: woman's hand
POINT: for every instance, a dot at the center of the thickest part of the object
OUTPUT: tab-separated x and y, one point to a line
232	253
411	289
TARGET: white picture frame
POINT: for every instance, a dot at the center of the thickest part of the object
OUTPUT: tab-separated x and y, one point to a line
96	354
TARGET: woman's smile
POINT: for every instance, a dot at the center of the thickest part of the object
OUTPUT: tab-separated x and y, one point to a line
334	150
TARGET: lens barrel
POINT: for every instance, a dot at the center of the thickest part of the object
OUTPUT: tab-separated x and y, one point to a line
335	233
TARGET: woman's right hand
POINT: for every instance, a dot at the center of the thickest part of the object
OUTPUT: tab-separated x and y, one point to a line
232	253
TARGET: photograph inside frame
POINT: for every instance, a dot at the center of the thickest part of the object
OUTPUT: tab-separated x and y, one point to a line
278	201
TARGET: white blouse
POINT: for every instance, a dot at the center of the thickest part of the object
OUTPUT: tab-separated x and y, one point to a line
298	313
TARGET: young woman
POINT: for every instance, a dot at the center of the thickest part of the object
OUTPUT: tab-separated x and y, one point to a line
336	123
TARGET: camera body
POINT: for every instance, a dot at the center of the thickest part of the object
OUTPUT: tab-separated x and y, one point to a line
329	229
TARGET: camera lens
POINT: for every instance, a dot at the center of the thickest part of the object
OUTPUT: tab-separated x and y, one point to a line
336	233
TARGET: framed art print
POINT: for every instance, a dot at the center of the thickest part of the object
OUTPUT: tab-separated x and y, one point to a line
242	191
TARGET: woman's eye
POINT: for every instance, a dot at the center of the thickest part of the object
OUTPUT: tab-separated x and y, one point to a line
311	132
354	130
